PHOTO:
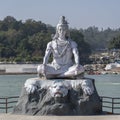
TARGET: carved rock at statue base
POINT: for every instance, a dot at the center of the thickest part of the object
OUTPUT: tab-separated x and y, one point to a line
59	97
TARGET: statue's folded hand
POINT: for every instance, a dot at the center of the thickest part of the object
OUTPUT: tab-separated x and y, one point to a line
41	69
78	69
57	67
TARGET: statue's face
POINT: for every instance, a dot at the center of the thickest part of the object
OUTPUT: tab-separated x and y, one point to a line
58	90
62	30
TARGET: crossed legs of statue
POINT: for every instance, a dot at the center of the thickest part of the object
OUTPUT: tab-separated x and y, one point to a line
50	72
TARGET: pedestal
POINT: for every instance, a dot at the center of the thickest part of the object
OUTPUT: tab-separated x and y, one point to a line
59	97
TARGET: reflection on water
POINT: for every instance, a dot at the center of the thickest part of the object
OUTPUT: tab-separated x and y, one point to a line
106	85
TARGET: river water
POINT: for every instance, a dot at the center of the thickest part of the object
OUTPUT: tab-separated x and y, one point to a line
106	85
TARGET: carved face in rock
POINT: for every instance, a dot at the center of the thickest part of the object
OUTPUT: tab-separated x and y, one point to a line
58	89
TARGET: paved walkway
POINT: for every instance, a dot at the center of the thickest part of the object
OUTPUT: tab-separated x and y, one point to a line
23	117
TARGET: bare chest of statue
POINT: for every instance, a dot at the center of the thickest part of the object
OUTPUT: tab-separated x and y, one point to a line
62	52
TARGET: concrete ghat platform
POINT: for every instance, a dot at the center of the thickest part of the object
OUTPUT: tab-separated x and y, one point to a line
24	117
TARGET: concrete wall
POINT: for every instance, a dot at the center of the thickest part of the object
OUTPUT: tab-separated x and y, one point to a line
19	68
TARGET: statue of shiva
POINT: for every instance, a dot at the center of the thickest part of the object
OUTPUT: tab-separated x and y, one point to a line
63	49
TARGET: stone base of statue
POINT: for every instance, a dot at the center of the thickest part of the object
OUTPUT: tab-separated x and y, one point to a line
59	97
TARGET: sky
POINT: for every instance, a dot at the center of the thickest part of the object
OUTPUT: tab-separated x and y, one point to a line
79	13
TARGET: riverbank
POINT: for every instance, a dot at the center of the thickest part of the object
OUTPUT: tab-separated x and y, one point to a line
24	117
18	68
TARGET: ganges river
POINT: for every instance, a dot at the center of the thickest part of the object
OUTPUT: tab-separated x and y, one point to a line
106	85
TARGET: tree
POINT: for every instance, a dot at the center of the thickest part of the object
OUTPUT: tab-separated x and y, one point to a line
27	41
83	47
98	39
114	43
31	27
39	42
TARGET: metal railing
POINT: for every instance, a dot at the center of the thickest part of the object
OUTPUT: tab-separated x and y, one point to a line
111	104
8	102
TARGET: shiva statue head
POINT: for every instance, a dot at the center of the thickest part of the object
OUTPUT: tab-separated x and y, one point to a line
62	29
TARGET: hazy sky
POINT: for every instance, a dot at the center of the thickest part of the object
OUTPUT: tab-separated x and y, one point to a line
79	13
